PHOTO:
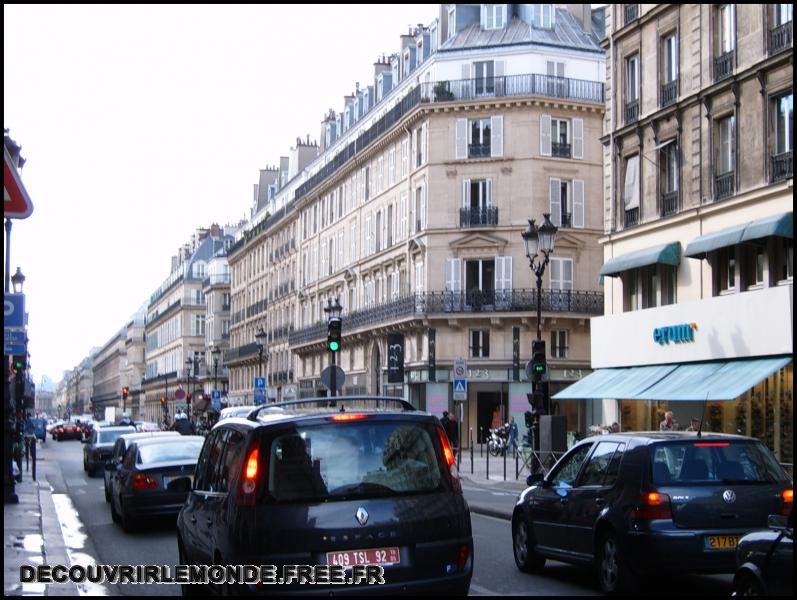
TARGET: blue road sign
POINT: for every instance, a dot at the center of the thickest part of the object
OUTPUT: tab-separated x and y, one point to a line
14	311
260	383
216	400
216	395
13	342
260	395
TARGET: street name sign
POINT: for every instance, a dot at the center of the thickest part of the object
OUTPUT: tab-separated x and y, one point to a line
13	342
16	202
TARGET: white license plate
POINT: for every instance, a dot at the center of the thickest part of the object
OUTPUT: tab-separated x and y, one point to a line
370	556
168	480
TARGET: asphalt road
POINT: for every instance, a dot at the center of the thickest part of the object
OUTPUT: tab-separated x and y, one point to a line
92	537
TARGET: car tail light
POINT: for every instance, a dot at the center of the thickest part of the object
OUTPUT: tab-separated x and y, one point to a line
249	477
653	505
142	481
788	500
463	557
711	444
348	417
449	456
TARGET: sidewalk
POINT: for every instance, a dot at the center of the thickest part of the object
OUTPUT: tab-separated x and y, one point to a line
493	496
32	536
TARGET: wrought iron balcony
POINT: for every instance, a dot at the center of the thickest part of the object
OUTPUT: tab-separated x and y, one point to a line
631	13
723	65
560	150
782	166
669	203
631	111
724	185
241	353
478	150
780	38
223	279
478	217
420	305
567	220
669	93
632	217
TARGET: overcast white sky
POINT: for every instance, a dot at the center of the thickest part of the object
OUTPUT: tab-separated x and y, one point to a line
141	123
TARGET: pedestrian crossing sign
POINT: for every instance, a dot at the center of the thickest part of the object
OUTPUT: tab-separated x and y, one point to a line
460	385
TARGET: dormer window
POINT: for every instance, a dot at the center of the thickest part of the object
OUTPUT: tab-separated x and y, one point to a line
544	16
493	16
452	22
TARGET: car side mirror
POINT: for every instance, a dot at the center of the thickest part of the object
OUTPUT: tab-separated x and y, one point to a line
535	479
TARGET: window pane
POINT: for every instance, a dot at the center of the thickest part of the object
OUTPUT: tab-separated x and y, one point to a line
598	462
784	124
566	474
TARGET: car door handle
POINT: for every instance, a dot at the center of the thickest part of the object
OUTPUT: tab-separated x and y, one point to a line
563	500
600	501
209	521
193	519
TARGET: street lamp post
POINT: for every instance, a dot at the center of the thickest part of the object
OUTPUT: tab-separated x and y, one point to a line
11	424
333	328
216	352
260	340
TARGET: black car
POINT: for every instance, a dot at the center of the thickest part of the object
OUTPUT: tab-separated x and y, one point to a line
154	479
98	447
68	430
766	560
340	481
638	503
113	465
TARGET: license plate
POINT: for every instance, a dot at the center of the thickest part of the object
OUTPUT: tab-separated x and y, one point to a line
371	556
168	480
721	542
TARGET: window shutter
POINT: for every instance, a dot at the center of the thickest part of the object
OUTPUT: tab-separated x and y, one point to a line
394	284
466	193
462	139
497	141
413	210
341	245
500	87
535	15
368	235
419	287
404	208
578	203
485	24
488	201
578	138
424	143
373	234
631	188
414	150
384	229
353	249
556	273
567	274
423	207
556	201
545	135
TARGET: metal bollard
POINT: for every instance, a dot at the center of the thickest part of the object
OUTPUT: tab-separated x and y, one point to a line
488	465
33	456
517	469
504	464
481	441
471	450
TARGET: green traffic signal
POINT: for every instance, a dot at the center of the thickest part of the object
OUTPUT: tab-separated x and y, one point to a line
334	346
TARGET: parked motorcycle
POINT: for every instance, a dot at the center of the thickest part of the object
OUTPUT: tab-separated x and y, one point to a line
498	441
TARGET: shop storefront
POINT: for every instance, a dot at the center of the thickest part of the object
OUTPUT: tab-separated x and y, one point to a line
726	359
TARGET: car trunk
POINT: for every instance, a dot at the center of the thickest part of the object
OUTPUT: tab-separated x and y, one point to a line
705	507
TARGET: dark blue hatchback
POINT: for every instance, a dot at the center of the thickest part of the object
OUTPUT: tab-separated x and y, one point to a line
339	481
636	503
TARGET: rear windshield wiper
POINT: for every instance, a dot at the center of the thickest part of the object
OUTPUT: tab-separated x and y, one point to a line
744	481
360	489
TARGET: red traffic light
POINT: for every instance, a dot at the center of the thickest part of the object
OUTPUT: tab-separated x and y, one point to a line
125	391
190	395
163	399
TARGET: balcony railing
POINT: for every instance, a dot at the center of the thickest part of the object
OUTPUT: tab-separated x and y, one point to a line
782	166
669	93
426	303
780	38
223	279
723	65
724	185
567	220
241	353
631	111
531	84
632	217
669	203
560	150
478	150
478	217
631	13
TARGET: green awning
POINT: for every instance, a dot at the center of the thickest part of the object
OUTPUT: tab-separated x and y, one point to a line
715	380
666	254
778	225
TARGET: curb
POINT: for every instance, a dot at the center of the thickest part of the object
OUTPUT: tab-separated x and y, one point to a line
489	512
55	552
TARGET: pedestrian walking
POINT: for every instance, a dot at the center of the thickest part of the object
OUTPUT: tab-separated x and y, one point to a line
513	433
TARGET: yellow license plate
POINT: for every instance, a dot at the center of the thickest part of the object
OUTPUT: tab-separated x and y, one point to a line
722	542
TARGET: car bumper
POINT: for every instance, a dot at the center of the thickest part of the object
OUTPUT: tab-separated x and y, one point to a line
682	551
153	505
458	585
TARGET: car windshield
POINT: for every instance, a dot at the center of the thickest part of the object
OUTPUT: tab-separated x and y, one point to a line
185	451
109	437
714	461
343	461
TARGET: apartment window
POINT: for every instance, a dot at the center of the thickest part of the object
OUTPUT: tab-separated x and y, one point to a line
546	12
726	269
405	157
367	184
641	288
452	22
559	348
494	16
561	273
784	258
390	225
484	75
479	277
560	138
783	14
632	89
480	343
783	138
631	191
567	202
726	157
479	145
225	328
669	69
418	147
755	264
391	167
199	325
727	28
668	178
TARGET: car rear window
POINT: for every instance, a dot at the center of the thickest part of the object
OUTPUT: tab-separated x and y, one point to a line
712	461
108	437
187	450
342	461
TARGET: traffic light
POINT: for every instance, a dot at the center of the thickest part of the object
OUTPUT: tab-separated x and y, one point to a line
163	401
19	363
539	366
125	392
334	334
19	380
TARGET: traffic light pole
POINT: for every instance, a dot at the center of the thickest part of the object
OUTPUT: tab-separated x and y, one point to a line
334	376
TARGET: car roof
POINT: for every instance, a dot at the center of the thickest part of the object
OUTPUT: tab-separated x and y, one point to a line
114	428
140	435
167	439
668	436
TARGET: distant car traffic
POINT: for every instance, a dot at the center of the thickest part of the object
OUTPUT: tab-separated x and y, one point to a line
342	481
98	447
639	503
68	430
113	465
154	479
766	560
235	411
146	426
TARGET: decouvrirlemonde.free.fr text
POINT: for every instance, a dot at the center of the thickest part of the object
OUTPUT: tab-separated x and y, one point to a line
205	574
